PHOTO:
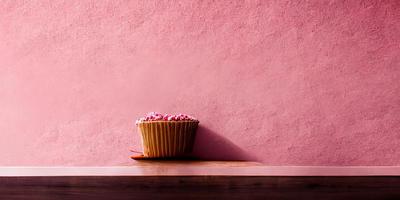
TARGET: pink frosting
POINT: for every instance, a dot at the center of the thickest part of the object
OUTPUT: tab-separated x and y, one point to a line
154	116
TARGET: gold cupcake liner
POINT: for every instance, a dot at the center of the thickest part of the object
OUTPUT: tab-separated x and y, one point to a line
167	138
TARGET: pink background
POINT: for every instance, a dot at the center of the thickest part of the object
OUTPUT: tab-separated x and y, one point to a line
283	82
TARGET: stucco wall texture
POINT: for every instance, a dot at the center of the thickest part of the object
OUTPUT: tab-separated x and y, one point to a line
283	82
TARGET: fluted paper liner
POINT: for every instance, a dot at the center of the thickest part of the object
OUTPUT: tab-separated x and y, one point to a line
167	138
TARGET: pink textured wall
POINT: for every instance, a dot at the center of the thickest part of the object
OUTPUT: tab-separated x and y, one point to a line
284	82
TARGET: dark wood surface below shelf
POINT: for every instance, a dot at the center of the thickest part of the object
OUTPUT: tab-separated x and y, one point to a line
200	187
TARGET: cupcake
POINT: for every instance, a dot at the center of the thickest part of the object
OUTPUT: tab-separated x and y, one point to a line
165	135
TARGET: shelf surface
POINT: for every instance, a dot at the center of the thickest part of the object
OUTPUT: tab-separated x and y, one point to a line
202	168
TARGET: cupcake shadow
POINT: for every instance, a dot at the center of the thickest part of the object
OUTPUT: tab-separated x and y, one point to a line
211	146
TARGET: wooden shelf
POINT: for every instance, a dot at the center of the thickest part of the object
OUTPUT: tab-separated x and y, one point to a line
200	180
202	168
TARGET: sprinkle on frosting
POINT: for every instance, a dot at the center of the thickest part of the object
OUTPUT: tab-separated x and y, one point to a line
154	116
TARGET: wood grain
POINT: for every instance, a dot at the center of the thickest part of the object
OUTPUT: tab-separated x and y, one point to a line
200	187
